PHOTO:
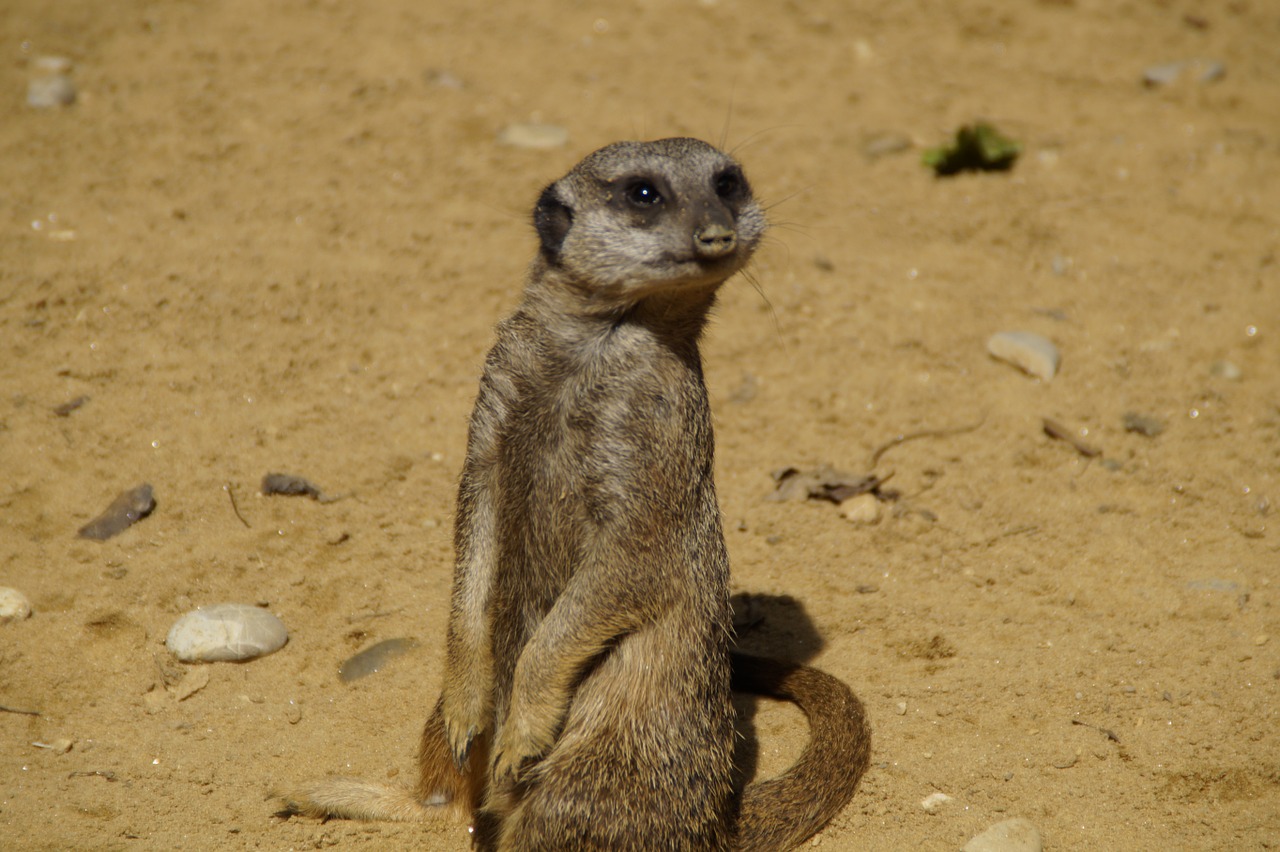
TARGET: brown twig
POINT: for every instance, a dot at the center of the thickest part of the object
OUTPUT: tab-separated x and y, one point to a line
924	433
235	508
1107	732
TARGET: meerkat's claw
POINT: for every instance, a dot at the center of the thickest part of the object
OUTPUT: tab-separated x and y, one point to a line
460	746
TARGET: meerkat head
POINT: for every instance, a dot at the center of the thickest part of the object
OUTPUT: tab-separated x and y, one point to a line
637	218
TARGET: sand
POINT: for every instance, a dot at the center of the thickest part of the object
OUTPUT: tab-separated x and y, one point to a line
275	237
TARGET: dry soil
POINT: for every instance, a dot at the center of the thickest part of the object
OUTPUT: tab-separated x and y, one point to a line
275	236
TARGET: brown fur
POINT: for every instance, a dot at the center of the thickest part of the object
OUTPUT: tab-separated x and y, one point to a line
586	693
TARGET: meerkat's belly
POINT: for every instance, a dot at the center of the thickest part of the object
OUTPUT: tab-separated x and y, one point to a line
647	743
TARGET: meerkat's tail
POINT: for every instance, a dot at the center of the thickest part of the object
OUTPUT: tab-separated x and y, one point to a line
443	791
782	812
351	798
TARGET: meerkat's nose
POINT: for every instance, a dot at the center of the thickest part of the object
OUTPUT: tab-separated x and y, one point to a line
714	240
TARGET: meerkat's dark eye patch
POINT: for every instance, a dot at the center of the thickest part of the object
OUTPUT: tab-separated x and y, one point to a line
730	184
643	193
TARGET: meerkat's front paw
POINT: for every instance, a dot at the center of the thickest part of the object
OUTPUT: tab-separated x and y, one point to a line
516	743
463	722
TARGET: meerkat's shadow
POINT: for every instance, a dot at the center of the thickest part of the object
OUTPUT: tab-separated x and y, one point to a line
774	626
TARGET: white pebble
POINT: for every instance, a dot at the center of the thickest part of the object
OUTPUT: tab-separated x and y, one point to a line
933	802
14	605
537	136
1029	352
225	631
1012	835
52	91
1163	74
52	64
861	509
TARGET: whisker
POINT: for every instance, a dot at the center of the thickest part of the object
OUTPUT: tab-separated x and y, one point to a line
786	198
733	152
773	314
728	117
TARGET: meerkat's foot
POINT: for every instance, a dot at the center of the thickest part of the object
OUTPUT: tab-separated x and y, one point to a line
462	721
351	798
460	742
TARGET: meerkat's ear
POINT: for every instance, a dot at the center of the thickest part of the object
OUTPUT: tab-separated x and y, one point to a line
552	219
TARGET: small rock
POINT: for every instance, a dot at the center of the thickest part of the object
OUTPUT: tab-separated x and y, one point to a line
373	658
933	802
879	145
127	509
61	745
54	90
445	79
1012	835
1143	424
52	64
900	708
861	509
226	631
14	605
290	486
1167	73
1029	352
1162	74
1225	370
69	406
192	682
533	136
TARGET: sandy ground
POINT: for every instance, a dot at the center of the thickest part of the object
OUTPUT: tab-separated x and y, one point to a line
275	236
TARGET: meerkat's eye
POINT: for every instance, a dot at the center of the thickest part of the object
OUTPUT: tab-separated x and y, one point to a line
729	183
642	193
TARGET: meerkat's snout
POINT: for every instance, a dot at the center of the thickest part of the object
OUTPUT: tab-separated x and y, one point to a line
714	240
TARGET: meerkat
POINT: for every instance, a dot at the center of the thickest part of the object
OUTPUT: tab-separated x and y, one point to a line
586	700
